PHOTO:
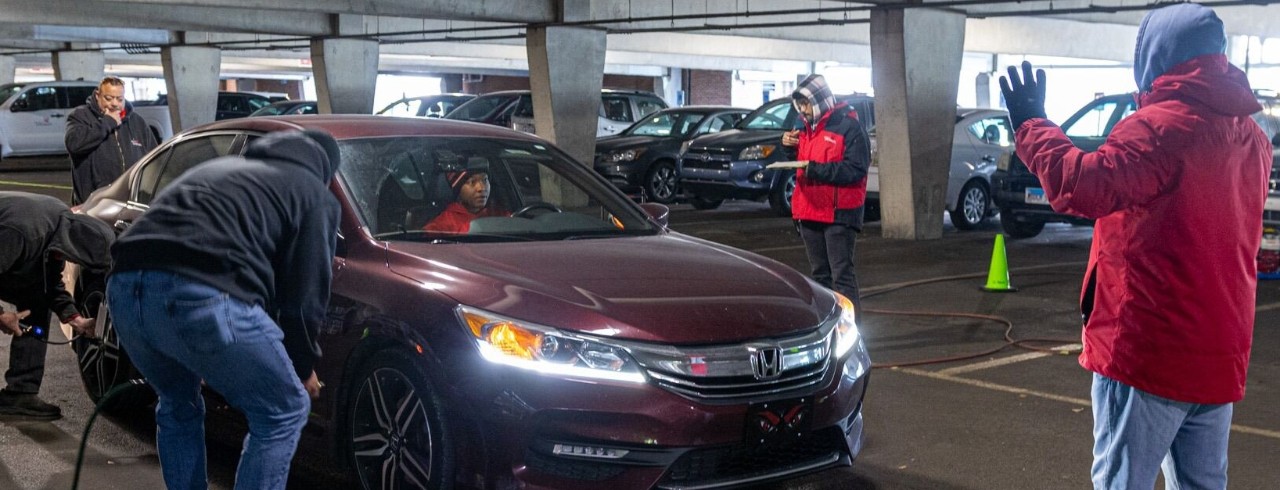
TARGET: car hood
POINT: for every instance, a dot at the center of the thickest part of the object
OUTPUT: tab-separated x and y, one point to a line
668	288
624	142
736	138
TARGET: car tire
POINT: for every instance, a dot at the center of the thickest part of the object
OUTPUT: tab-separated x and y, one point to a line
103	362
871	211
396	427
704	203
780	196
1019	229
660	183
972	207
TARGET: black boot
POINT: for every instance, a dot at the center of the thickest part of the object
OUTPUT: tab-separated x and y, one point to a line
27	405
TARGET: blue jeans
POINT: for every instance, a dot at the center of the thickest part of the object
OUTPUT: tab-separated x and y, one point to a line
1135	432
178	332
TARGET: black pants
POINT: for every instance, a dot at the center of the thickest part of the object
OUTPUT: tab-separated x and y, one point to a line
830	248
26	355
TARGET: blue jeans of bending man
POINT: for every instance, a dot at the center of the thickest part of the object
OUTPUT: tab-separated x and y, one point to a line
1135	433
178	332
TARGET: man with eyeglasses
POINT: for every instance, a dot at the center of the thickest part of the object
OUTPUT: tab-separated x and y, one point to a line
104	138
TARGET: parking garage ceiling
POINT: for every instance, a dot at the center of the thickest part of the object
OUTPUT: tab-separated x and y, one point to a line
724	34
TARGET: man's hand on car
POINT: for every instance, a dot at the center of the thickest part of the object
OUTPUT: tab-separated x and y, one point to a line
313	385
1023	95
83	326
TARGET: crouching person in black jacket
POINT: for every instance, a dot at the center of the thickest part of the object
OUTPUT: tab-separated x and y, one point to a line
226	279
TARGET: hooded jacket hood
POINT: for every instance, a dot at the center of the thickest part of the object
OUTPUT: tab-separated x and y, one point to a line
814	89
1172	35
83	240
317	151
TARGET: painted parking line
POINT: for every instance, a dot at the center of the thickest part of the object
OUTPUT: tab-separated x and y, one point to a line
29	184
1004	361
1268	307
1243	429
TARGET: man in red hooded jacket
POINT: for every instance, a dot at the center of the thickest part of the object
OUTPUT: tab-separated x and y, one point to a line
1168	300
831	188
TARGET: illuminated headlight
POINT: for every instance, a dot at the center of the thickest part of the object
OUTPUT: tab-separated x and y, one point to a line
846	328
546	350
1003	162
756	152
624	155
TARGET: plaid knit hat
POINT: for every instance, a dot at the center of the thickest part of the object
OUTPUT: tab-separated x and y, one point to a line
815	90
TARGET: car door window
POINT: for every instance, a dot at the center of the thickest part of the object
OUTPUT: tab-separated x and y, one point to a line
178	160
39	98
617	109
76	96
1098	120
992	131
775	117
307	109
649	105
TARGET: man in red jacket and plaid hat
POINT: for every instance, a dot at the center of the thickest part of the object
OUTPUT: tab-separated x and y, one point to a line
1168	299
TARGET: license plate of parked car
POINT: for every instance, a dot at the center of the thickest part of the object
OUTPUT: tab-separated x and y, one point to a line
1035	195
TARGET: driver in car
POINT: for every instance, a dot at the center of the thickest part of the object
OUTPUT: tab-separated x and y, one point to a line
471	186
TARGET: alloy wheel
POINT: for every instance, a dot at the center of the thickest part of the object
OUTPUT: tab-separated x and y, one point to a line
391	437
662	183
975	205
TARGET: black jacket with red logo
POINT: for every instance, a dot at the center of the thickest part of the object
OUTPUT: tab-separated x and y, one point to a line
833	187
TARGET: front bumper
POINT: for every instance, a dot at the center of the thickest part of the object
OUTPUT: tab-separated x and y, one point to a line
722	178
591	435
627	176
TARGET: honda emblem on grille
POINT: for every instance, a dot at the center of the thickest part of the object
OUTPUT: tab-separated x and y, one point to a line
766	362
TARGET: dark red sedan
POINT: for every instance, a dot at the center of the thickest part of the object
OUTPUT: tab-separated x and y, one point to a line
572	341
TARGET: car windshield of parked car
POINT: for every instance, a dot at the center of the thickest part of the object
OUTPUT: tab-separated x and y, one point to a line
7	90
479	108
401	185
774	115
664	124
271	110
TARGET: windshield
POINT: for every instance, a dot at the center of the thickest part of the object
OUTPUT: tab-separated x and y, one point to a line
7	90
480	108
271	110
449	190
774	115
670	123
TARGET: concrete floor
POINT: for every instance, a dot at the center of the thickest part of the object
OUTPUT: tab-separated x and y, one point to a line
1015	419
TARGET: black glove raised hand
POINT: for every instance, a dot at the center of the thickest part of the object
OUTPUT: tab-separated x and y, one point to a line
1025	98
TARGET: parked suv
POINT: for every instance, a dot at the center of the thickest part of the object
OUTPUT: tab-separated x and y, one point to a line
730	164
1020	197
33	116
514	109
643	157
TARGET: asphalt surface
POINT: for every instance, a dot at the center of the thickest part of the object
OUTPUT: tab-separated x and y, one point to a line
1014	419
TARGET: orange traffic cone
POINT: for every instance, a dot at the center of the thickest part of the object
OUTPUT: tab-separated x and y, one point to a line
998	276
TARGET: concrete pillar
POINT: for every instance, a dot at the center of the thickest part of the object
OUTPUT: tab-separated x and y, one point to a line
7	69
346	72
566	72
982	87
673	87
191	78
79	65
451	83
916	74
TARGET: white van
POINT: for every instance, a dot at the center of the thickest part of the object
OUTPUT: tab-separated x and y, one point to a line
33	116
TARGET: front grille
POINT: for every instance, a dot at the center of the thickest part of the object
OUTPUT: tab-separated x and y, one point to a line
707	159
757	370
572	468
739	387
743	462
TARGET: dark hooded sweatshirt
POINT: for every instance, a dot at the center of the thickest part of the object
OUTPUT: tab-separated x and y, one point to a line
262	228
1178	191
101	150
31	227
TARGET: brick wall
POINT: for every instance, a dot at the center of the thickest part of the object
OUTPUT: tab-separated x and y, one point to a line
709	87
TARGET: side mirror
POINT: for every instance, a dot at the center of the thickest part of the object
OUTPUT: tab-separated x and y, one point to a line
660	213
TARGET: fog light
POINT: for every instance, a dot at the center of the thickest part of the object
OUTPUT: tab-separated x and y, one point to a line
588	451
758	176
